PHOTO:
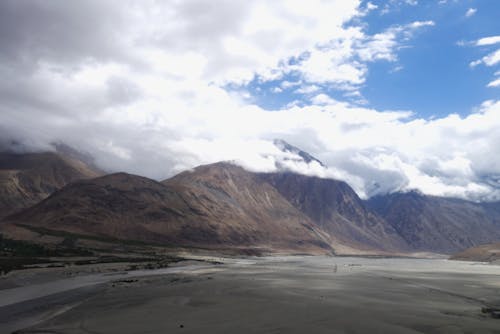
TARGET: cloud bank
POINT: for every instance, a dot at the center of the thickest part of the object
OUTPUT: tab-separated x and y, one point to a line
143	87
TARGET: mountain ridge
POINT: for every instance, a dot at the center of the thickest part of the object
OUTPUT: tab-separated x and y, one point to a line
441	224
335	207
223	205
27	178
197	212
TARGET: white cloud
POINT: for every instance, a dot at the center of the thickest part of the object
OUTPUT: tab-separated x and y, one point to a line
470	12
285	84
485	41
370	6
491	59
396	69
323	99
475	63
144	90
418	24
444	2
160	135
307	89
342	62
395	5
488	40
494	83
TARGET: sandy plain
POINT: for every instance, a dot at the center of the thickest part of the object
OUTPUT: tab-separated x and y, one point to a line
258	295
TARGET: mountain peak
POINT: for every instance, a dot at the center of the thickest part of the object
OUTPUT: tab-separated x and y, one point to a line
27	178
288	148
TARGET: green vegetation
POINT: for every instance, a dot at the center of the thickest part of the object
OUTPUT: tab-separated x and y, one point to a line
103	238
16	254
9	247
18	248
14	263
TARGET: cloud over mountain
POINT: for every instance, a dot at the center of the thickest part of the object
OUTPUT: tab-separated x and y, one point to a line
146	88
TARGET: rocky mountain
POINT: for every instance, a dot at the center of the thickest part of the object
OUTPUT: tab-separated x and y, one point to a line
214	206
438	224
27	178
244	209
115	206
225	206
300	155
337	210
483	253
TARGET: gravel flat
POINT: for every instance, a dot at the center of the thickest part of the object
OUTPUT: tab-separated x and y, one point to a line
273	295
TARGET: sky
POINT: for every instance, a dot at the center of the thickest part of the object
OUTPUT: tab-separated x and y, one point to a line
390	95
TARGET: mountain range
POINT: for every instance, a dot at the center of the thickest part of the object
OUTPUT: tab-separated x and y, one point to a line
438	224
26	179
50	197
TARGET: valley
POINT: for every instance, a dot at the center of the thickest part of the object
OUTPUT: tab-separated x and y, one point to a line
261	294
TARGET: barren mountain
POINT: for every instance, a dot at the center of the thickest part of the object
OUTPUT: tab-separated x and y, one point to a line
119	206
483	253
335	208
300	155
244	209
224	206
446	225
214	206
25	179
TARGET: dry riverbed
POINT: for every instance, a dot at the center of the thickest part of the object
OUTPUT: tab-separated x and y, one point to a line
259	295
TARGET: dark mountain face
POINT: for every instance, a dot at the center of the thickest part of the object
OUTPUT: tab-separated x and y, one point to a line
215	206
493	211
438	224
25	179
335	208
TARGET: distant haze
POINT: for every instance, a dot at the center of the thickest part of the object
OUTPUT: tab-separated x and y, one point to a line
154	88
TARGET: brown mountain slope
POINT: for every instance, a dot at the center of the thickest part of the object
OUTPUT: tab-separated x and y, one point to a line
483	253
335	208
25	179
215	206
438	224
120	206
245	208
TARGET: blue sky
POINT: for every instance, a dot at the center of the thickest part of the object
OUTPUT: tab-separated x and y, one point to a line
390	95
436	79
431	75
